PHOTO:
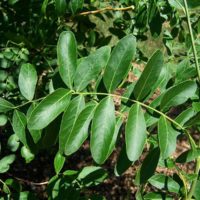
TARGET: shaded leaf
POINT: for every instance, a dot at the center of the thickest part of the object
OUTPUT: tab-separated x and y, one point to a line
67	57
103	129
183	117
188	156
135	132
5	105
48	109
123	163
59	161
197	190
3	120
156	196
161	182
27	81
90	67
35	134
68	122
178	94
19	126
149	76
92	175
148	166
76	5
61	6
27	154
167	137
79	132
13	142
119	62
5	163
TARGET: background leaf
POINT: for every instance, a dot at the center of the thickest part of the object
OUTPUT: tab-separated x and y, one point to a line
5	105
19	126
67	57
59	161
27	81
5	163
148	166
61	6
178	94
103	128
161	182
149	76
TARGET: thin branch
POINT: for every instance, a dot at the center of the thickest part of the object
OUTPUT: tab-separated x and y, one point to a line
106	9
30	182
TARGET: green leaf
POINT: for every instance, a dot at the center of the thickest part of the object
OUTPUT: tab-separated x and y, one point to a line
59	162
167	137
178	94
79	132
67	57
50	134
61	6
90	67
183	117
149	76
3	120
196	106
35	134
148	166
5	105
188	156
48	109
13	143
27	81
103	129
27	154
5	163
135	132
161	182
118	124
92	175
119	62
68	122
76	5
19	126
156	196
184	71
123	163
197	190
179	4
193	121
44	6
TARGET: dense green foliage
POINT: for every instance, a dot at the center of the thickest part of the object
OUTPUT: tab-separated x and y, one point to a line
64	64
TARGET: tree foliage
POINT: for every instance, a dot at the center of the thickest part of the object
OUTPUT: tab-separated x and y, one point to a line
63	66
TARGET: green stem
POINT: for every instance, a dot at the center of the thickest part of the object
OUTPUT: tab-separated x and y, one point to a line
197	168
192	40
